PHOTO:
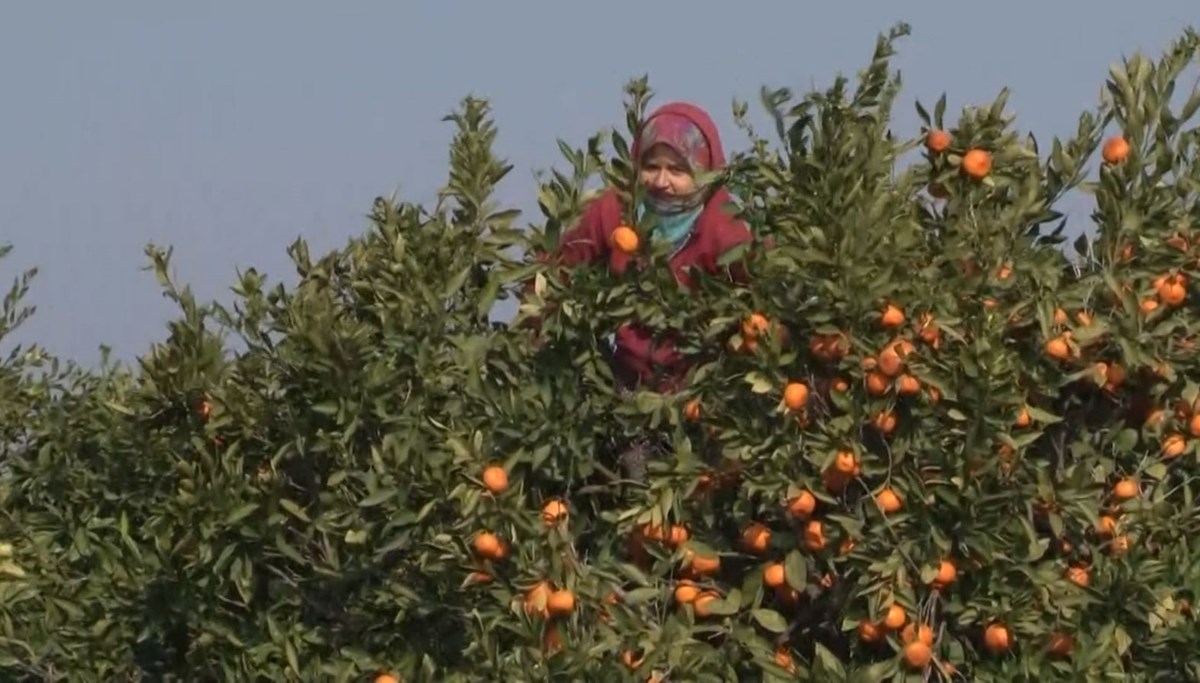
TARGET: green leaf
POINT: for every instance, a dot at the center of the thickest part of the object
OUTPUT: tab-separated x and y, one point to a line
770	619
828	666
294	510
287	550
795	570
240	513
733	255
759	383
377	498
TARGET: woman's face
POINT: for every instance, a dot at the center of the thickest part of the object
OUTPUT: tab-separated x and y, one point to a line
665	173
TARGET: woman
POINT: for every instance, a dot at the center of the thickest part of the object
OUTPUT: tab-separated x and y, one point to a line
676	143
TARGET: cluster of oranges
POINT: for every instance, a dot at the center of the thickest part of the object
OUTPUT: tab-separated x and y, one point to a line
488	545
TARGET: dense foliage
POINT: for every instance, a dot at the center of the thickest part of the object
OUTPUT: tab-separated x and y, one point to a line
929	439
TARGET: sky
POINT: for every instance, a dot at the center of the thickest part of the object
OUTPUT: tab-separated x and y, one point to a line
227	130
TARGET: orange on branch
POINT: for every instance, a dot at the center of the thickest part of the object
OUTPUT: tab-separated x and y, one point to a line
977	163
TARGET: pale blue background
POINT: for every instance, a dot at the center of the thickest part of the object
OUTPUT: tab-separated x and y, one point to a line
228	129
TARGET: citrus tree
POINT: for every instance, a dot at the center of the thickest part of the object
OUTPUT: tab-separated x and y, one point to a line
924	439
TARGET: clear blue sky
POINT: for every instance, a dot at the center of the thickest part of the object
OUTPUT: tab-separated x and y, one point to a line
228	129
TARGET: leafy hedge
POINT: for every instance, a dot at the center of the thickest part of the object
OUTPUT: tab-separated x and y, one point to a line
989	475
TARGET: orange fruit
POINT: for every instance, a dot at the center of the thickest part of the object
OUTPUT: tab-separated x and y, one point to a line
1125	489
1106	526
1058	349
946	574
877	383
895	617
802	505
937	141
917	633
1172	289
836	481
1174	445
553	512
537	599
489	546
783	658
561	603
1148	306
927	331
756	538
890	363
630	660
814	536
755	326
1114	376
1115	150
674	536
845	462
691	411
888	501
702	565
869	633
625	239
997	639
1023	418
885	421
795	396
652	532
495	479
977	163
774	575
387	678
917	655
1078	576
686	592
703	603
892	317
829	346
1060	644
907	385
1194	425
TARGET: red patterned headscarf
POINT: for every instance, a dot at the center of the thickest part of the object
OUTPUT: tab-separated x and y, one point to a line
680	134
691	133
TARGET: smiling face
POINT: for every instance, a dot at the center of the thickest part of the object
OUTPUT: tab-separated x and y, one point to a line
665	173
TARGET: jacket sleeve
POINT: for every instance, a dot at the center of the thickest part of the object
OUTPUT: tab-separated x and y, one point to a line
585	243
728	232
